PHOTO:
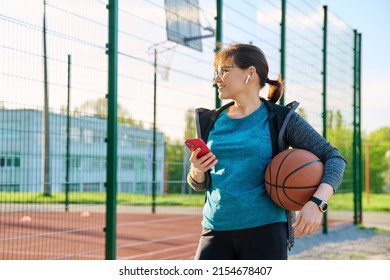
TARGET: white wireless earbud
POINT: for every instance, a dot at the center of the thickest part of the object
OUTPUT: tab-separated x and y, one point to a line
247	78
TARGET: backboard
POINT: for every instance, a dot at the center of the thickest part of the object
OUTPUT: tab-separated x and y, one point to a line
183	24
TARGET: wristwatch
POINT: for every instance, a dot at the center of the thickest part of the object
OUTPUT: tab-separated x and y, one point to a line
322	204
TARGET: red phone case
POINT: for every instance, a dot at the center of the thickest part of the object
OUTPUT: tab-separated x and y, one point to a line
194	143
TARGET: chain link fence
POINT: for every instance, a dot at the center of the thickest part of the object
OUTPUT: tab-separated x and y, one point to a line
53	106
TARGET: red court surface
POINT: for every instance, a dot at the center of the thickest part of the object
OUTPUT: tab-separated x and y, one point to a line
80	235
65	235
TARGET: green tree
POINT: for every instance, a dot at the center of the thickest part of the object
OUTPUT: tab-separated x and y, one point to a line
99	107
175	156
190	130
378	142
340	135
302	112
339	120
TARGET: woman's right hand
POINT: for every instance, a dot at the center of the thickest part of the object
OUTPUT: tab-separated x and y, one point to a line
201	165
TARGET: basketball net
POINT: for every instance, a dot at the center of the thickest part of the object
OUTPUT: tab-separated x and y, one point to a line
164	62
165	54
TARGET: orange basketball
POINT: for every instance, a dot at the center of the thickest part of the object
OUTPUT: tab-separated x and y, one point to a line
292	177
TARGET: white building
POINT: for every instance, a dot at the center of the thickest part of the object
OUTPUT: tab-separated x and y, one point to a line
21	154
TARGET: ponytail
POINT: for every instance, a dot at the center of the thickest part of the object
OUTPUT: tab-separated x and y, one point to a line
276	88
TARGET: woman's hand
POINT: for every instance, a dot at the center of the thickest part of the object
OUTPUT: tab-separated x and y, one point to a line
201	165
310	217
308	220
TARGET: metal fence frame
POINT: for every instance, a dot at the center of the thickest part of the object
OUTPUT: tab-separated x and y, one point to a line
112	51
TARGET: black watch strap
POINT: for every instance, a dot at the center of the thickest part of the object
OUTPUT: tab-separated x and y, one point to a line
322	204
316	200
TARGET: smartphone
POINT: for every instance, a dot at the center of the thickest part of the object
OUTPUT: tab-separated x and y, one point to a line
194	143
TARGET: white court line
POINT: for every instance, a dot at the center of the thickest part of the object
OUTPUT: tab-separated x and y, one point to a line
120	225
46	255
49	233
133	245
25	253
157	240
92	228
190	256
88	253
155	221
159	251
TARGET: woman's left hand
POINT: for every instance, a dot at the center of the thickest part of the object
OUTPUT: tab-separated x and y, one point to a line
308	220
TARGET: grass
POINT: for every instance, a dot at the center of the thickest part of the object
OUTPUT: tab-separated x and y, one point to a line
100	198
375	202
340	201
375	229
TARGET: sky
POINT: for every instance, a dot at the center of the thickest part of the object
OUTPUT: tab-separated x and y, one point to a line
368	17
371	18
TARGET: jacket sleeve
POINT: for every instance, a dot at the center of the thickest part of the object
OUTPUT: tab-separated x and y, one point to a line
300	134
199	186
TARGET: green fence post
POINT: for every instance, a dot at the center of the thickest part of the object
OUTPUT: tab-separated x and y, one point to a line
283	45
354	146
67	141
154	135
218	43
111	185
47	187
359	137
324	107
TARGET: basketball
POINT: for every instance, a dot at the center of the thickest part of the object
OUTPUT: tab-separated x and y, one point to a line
292	177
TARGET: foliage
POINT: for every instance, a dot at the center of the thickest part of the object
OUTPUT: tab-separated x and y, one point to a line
174	169
373	202
302	112
341	136
378	143
190	131
340	201
99	107
196	199
176	157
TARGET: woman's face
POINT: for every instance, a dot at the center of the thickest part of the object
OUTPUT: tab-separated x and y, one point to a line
230	80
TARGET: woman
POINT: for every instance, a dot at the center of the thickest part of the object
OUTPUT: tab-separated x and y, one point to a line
240	221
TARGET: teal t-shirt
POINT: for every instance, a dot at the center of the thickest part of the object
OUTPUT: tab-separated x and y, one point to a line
236	198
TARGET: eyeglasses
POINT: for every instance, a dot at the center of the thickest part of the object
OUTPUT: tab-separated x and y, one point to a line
222	71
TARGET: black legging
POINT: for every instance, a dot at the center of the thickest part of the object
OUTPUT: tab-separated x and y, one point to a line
268	242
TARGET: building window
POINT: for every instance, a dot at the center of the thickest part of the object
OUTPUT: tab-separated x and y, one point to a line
88	136
97	136
9	161
75	162
10	130
91	187
17	161
75	133
127	163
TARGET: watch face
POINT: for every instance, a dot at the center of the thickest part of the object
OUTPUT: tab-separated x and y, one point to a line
324	206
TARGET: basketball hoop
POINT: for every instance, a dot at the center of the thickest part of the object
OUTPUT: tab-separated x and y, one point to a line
164	62
164	57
